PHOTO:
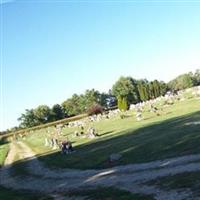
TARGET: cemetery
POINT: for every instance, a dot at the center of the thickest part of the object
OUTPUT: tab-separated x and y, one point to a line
99	100
89	150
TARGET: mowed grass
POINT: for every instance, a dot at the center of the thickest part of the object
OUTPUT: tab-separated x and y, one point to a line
189	180
4	148
155	137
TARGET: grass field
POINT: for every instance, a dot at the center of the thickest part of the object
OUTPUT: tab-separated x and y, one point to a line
4	148
173	133
155	137
181	181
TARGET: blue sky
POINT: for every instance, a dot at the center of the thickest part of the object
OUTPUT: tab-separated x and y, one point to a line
52	49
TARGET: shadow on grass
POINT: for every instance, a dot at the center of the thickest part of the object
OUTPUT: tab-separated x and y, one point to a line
8	194
109	193
106	133
181	181
167	139
3	141
170	138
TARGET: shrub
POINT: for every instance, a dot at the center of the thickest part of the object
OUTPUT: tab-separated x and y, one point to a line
122	103
95	109
122	116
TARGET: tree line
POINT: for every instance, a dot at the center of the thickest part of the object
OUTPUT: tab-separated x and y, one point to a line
185	81
125	91
75	105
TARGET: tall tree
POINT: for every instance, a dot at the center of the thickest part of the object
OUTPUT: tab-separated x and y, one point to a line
151	90
143	89
126	88
196	77
122	104
92	97
72	106
42	114
181	82
57	113
28	119
156	88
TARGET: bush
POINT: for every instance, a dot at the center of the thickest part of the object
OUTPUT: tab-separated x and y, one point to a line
122	116
122	104
95	109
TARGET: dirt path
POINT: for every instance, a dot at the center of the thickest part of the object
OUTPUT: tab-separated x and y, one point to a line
129	177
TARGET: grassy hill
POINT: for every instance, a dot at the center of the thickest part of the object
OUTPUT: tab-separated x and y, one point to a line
155	137
175	132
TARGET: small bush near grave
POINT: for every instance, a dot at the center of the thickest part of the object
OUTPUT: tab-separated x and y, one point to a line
122	104
95	109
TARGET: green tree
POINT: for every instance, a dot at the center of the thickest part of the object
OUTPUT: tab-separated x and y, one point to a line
122	103
72	106
181	82
156	88
126	87
28	119
163	88
151	90
42	114
57	113
196	77
92	97
143	89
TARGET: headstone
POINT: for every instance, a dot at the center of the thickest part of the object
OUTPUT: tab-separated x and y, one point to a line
91	133
139	116
55	144
46	142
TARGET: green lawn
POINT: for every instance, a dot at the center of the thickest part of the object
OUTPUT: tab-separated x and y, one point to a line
155	137
4	148
189	180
